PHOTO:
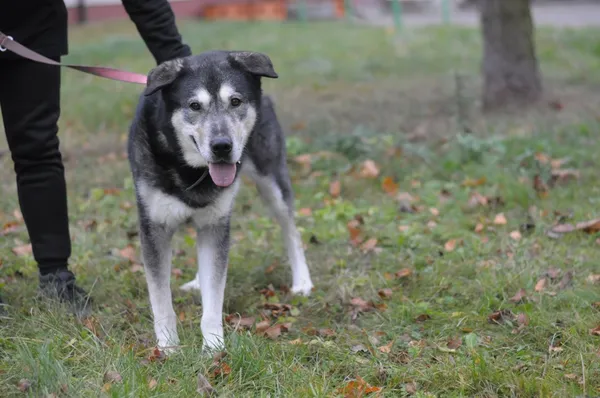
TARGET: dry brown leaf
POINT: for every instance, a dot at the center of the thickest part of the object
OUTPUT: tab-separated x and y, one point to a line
450	245
354	231
542	158
386	349
411	388
564	175
540	186
435	212
403	273
385	293
112	377
357	388
478	227
369	245
298	341
389	186
522	319
177	273
326	332
540	285
477	199
519	296
469	182
515	235
593	278
431	224
137	268
566	280
240	322
129	253
11	226
595	331
271	267
220	368
369	169
500	219
335	188
152	384
305	211
454	343
422	318
501	316
262	326
22	250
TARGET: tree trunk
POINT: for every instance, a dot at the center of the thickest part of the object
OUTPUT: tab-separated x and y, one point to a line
510	69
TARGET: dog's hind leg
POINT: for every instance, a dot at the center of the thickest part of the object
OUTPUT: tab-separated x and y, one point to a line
213	250
276	192
156	253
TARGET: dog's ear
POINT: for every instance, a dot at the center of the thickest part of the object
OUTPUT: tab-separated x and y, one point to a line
256	63
163	75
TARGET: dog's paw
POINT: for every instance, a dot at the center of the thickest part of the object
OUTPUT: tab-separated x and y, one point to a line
303	288
193	285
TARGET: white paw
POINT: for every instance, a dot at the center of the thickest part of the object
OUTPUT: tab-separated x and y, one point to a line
212	344
193	285
304	287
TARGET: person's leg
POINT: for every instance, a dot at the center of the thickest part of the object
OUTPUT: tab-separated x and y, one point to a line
30	103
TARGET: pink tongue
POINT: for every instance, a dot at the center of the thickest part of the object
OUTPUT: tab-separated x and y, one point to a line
222	174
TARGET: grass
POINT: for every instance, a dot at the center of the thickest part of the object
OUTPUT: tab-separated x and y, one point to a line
356	93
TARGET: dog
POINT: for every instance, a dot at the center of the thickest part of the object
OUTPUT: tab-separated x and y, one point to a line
200	123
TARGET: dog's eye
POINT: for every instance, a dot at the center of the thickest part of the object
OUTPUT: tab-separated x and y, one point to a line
235	102
195	106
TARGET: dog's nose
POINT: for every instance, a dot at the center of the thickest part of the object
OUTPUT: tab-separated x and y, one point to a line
221	146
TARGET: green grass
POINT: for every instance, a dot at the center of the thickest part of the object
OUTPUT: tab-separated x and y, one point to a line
357	92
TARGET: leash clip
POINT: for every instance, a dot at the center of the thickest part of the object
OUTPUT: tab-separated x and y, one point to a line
2	48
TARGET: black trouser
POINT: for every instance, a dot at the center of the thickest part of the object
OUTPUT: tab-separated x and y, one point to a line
30	104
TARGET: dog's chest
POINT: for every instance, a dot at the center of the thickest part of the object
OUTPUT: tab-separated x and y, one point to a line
168	210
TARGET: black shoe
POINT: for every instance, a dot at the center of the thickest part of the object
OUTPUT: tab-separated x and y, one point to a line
61	285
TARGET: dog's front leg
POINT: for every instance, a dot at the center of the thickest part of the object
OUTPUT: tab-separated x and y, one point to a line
213	250
155	242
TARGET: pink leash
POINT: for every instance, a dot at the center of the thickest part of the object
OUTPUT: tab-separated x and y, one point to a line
7	43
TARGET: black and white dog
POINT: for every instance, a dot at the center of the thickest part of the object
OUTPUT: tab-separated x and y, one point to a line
200	122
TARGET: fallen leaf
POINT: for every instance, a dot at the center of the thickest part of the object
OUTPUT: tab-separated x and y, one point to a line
591	226
361	304
335	188
22	250
386	349
595	331
128	253
403	273
515	235
478	227
593	278
241	322
177	273
112	377
157	355
369	169
500	219
389	186
220	368
298	341
385	293
571	376
434	211
11	226
501	316
358	348
469	182
552	273
357	388
566	281
24	385
519	296
454	343
477	199
18	215
354	231
422	318
305	211
326	333
540	186
540	285
152	384
203	387
450	245
137	268
522	319
411	388
562	176
271	267
369	245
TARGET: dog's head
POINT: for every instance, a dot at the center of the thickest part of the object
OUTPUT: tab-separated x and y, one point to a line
212	100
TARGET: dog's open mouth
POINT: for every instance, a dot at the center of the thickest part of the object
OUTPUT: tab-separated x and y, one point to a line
222	173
